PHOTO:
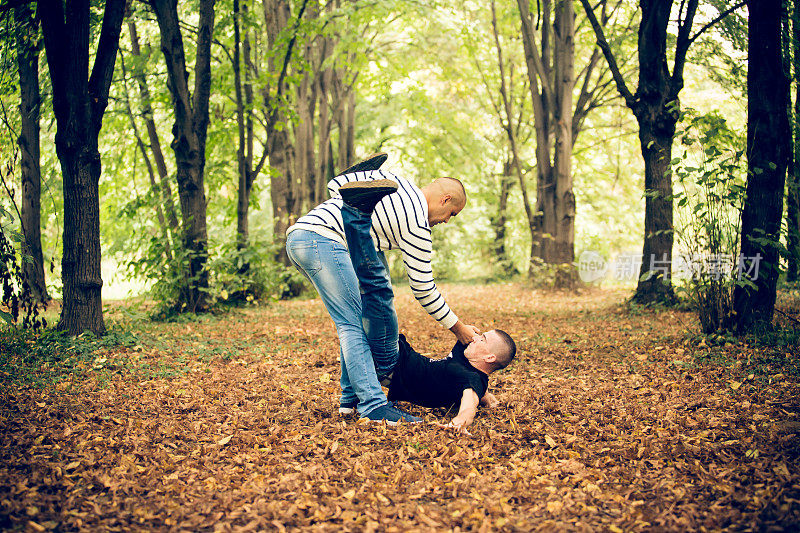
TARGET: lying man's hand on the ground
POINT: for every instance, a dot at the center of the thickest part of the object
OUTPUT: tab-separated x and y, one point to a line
489	400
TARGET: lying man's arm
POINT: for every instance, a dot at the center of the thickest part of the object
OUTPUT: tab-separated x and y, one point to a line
489	400
466	412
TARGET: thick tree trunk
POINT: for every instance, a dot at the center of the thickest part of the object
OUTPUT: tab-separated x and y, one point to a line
550	69
655	273
276	15
189	143
768	151
562	245
79	105
29	109
656	108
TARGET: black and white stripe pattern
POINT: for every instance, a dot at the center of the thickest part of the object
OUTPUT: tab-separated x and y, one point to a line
400	221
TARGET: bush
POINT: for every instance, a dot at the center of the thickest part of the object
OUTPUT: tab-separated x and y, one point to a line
710	176
18	301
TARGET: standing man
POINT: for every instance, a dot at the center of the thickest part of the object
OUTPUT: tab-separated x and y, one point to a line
316	245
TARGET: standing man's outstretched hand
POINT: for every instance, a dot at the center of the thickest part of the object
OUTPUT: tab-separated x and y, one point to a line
464	332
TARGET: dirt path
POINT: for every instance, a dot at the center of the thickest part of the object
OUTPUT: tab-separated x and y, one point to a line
611	420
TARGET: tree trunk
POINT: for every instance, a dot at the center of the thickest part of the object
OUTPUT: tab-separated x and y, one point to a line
534	220
276	14
657	110
29	110
243	157
562	245
768	151
164	188
189	143
793	189
498	222
655	272
79	105
550	62
162	223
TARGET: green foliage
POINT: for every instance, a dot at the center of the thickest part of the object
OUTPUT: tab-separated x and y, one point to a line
710	177
250	274
18	306
46	357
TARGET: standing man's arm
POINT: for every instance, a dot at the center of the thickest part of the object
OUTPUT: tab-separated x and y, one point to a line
413	235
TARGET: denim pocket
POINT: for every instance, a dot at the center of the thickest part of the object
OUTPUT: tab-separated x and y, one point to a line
305	255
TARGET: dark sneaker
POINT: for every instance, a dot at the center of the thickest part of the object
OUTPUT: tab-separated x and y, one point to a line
372	162
365	195
347	408
392	415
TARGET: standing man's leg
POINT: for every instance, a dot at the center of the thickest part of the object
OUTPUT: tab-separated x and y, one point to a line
327	265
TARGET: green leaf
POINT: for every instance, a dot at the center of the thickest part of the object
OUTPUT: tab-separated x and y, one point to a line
7	317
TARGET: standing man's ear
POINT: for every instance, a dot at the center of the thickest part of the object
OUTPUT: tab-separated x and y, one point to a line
446	198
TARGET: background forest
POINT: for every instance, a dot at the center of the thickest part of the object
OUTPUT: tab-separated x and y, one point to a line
639	156
225	120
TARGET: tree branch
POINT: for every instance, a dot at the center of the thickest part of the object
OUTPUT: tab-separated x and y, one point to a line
103	69
609	55
717	19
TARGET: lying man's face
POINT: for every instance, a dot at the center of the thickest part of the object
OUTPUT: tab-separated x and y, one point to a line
484	347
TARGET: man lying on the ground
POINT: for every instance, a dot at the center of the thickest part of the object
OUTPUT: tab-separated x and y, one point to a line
463	376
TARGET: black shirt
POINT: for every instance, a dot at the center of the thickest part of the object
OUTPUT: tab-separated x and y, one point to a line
434	382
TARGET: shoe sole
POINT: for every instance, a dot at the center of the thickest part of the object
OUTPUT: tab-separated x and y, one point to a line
373	184
389	422
346	411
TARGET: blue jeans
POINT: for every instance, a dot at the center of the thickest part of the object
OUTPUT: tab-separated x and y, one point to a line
327	264
378	315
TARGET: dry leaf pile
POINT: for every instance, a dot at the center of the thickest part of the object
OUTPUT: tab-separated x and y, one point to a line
609	421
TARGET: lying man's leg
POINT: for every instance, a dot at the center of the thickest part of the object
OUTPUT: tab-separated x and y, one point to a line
379	317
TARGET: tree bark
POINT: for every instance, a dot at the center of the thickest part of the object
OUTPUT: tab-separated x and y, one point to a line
29	109
164	188
506	120
79	105
154	185
498	222
768	152
189	144
276	14
657	110
793	188
244	150
550	62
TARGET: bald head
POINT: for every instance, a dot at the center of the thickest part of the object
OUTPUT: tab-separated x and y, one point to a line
454	187
446	198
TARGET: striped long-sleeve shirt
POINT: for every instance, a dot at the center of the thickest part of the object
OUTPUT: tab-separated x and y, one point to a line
400	221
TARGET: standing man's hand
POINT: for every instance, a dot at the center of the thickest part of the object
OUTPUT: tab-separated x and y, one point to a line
464	332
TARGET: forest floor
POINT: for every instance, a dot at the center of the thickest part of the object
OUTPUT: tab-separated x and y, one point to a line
612	419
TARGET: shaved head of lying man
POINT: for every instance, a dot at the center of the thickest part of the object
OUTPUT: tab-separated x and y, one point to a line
460	378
